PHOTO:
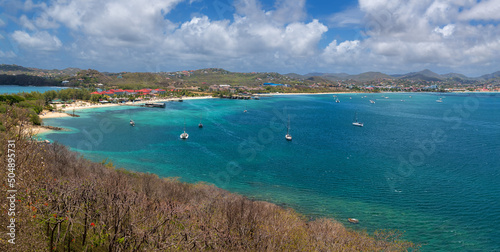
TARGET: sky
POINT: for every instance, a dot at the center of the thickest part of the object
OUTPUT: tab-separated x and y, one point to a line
285	36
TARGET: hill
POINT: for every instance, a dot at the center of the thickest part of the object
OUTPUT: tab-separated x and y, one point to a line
455	76
425	75
494	75
14	68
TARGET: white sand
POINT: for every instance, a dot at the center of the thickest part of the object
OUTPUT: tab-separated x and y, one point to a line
86	105
48	114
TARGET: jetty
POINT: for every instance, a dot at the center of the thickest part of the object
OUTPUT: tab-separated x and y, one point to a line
154	105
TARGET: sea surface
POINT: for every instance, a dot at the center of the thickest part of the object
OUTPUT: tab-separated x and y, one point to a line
428	168
12	89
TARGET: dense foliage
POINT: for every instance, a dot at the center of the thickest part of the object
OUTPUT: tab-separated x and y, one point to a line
28	80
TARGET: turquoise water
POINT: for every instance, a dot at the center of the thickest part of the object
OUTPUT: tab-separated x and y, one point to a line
19	89
427	168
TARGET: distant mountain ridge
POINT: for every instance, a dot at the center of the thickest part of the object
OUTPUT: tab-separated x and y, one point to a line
424	75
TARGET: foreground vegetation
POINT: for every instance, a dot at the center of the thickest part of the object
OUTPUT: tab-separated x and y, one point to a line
67	203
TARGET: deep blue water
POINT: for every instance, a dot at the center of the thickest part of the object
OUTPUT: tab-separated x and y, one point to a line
427	168
19	89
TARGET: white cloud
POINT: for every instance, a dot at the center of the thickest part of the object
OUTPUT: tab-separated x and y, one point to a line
133	35
123	31
430	32
446	31
484	10
114	22
8	54
345	52
26	23
41	41
352	17
288	11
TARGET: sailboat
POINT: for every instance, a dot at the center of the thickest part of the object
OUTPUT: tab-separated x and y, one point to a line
244	111
288	137
200	125
184	135
356	123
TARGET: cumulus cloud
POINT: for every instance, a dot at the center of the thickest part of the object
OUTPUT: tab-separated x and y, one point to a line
437	33
446	31
41	41
289	11
394	34
484	10
115	30
346	52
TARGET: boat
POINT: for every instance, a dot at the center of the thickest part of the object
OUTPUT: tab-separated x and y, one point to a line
180	100
288	137
200	125
244	111
352	220
132	123
337	101
356	123
184	135
440	100
372	101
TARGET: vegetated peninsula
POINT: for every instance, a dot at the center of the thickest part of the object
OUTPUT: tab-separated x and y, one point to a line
67	203
218	81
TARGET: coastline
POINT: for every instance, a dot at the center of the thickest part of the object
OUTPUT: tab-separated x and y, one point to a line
333	93
54	114
89	106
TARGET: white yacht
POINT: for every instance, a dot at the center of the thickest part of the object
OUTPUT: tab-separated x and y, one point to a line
356	123
184	135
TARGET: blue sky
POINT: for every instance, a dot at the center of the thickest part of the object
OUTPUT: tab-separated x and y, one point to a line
301	36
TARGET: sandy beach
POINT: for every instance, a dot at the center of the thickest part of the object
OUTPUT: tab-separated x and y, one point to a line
48	114
87	105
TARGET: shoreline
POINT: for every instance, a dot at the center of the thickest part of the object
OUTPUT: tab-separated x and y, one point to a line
38	129
333	93
89	106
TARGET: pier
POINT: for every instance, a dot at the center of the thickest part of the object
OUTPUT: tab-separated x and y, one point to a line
154	105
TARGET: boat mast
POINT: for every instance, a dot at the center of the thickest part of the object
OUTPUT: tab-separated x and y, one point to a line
288	128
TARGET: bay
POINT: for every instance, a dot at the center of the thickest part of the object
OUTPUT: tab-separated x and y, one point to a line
430	169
